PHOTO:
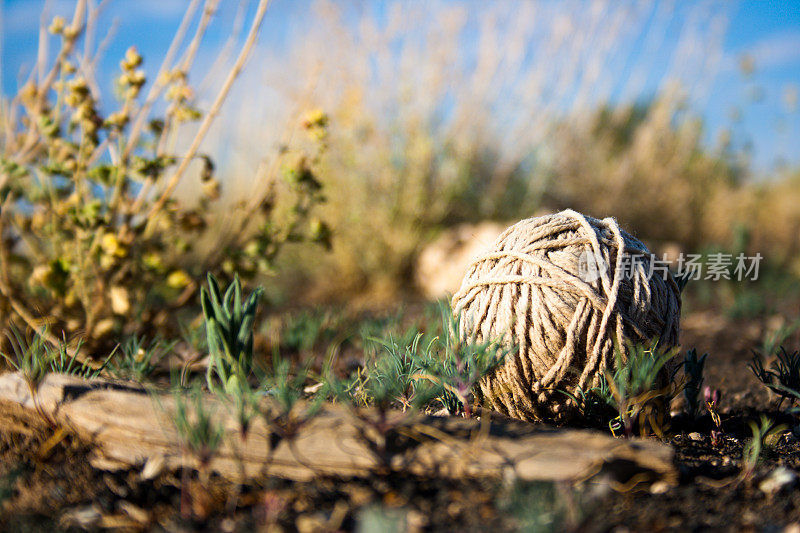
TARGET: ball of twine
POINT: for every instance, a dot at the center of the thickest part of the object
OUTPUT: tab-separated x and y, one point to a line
566	290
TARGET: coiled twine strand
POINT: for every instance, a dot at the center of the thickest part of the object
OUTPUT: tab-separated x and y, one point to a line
564	290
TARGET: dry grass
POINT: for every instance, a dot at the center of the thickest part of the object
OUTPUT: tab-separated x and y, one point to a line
443	112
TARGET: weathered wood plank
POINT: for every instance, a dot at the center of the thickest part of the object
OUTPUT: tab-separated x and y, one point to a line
132	427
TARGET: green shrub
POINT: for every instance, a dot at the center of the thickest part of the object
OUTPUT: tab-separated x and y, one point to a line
92	229
783	377
229	329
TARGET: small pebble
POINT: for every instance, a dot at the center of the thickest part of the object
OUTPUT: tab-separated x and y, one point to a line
154	466
695	436
82	517
659	487
777	480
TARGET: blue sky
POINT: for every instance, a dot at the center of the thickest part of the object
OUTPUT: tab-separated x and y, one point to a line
770	32
757	109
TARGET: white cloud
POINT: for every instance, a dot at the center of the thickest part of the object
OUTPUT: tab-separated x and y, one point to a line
775	51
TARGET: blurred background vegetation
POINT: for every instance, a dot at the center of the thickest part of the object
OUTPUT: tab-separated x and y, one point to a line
367	130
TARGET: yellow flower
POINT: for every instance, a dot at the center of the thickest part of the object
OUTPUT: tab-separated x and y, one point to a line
152	261
57	26
132	59
251	249
178	279
111	246
118	119
315	118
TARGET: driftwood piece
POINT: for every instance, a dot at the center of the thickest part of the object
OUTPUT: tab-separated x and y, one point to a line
133	428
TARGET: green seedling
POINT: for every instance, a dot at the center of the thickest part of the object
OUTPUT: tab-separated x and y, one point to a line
763	433
771	341
693	370
285	415
638	389
201	435
394	376
457	365
596	405
32	360
243	402
285	384
390	380
229	330
61	362
139	358
783	378
308	329
199	432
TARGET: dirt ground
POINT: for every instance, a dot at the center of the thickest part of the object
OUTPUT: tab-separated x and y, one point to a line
46	481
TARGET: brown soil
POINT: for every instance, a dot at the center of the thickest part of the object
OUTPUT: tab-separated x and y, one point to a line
46	481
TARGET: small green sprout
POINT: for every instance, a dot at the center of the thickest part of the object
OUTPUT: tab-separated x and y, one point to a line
286	383
394	376
763	433
417	368
693	370
638	389
244	402
229	329
771	341
458	365
31	358
200	434
783	378
61	362
139	358
596	405
307	329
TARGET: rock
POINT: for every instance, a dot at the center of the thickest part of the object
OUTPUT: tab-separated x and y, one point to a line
659	487
153	467
779	479
694	435
442	264
81	517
